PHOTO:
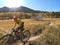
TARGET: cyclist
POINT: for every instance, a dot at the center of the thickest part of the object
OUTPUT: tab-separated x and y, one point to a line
20	26
19	23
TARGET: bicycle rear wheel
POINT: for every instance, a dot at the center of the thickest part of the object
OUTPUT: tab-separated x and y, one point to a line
10	39
6	39
25	36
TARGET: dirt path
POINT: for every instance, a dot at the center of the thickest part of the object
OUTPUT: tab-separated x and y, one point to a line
31	39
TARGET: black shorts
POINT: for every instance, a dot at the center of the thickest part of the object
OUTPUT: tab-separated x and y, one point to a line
20	28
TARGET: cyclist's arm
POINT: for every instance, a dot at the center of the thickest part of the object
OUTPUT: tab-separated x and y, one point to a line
20	22
14	25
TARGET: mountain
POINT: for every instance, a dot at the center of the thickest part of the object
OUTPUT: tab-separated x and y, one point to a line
18	9
4	9
24	9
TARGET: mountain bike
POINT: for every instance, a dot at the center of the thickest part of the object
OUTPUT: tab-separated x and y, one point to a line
15	36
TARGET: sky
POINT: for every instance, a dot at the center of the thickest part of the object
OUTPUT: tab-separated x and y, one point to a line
42	5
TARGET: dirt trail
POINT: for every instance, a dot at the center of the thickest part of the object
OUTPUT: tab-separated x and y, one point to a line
31	39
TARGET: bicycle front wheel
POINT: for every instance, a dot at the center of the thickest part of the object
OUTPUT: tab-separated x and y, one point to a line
25	36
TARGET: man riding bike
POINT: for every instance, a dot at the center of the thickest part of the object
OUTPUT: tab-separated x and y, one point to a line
20	26
17	33
19	23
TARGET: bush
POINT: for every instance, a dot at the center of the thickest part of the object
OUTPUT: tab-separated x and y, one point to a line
38	29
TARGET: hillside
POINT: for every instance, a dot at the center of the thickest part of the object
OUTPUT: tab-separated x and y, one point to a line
18	9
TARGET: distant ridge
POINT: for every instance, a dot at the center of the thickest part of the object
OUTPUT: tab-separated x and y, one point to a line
19	9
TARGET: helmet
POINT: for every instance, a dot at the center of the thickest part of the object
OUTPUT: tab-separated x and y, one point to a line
15	18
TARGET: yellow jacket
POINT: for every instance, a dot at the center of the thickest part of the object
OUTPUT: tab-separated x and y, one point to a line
19	22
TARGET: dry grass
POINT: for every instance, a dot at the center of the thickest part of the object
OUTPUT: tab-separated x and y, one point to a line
32	25
51	36
28	23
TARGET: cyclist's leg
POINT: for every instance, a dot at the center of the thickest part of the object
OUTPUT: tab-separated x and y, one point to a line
20	29
16	33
